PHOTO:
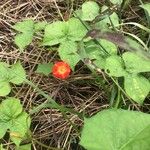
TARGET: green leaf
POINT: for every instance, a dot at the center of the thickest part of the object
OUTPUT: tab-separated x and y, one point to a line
116	2
114	66
3	128
4	71
17	73
116	130
13	118
40	26
1	147
76	30
55	33
146	7
90	10
105	23
95	52
68	53
10	108
59	32
19	127
25	26
23	39
135	63
24	147
45	68
5	88
137	87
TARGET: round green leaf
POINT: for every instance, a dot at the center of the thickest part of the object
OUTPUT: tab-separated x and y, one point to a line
137	87
5	88
90	10
116	130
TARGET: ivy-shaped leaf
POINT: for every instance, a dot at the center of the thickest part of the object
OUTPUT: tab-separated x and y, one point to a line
44	68
135	63
24	38
55	33
60	32
116	130
17	73
68	53
13	118
14	74
137	87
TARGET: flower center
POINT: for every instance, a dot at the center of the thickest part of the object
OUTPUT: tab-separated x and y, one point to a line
62	69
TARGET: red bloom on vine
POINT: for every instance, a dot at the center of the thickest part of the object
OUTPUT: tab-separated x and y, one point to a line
61	70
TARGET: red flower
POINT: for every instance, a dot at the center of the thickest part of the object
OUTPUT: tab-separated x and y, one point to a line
61	70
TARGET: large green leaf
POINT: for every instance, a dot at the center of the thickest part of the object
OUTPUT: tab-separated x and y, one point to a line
135	63
13	118
55	33
116	130
114	66
17	73
90	10
68	53
137	87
